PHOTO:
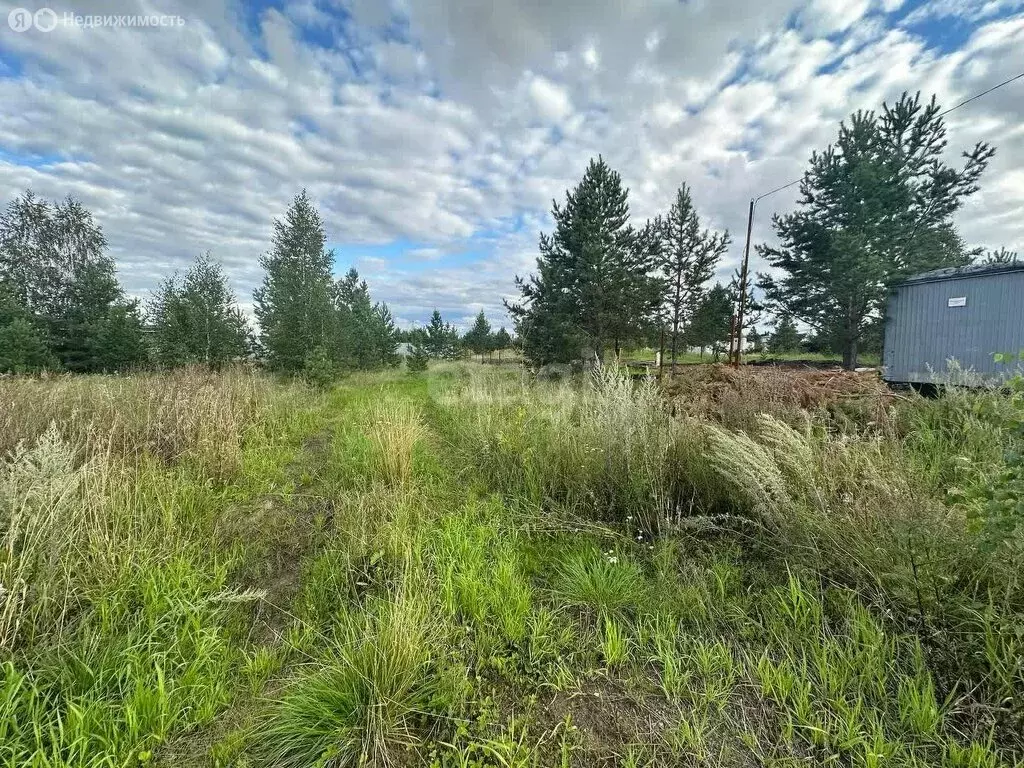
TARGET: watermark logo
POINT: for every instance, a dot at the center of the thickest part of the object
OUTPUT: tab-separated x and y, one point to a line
20	19
46	20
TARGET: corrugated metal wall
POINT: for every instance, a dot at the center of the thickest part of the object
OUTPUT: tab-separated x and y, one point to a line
968	319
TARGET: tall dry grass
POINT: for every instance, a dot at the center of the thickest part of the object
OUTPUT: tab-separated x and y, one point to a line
600	449
394	428
191	413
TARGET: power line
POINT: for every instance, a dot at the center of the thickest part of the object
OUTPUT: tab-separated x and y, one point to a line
983	93
736	335
962	103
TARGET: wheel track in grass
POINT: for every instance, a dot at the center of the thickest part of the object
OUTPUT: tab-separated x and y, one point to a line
301	519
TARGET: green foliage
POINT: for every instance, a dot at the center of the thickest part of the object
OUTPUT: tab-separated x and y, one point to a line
416	361
466	569
786	337
319	369
360	707
997	505
23	347
366	333
1002	256
294	305
118	340
440	339
594	282
44	246
54	266
608	583
385	337
711	321
502	340
478	339
689	257
876	206
196	319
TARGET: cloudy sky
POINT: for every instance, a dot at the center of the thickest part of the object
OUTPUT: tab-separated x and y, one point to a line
434	133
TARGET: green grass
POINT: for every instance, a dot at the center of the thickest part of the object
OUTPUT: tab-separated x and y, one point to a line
468	568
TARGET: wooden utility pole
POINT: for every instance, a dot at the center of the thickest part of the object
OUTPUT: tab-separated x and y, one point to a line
736	342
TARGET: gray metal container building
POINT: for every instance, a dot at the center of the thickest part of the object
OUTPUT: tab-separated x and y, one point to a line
973	315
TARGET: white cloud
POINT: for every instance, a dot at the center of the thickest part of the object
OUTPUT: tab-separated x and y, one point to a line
551	100
455	132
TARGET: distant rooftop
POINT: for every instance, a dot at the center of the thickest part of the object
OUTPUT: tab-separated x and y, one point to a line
971	270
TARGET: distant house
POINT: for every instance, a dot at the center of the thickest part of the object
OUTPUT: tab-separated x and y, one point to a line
973	315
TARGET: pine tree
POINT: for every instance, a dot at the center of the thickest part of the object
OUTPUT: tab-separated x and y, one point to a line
438	337
416	362
594	282
294	305
119	341
90	294
875	206
689	256
755	341
502	341
710	325
785	338
385	336
198	321
357	323
171	325
23	347
1002	256
478	338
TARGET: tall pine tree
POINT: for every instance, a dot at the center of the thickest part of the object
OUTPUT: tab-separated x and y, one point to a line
711	321
367	337
689	256
786	336
594	283
875	207
442	339
294	305
385	336
478	339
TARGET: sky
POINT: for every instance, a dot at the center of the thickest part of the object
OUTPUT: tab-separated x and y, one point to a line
434	134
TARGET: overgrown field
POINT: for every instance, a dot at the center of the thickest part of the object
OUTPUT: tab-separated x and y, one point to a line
466	568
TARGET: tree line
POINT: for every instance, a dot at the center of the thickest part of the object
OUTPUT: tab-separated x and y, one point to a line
875	207
62	307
